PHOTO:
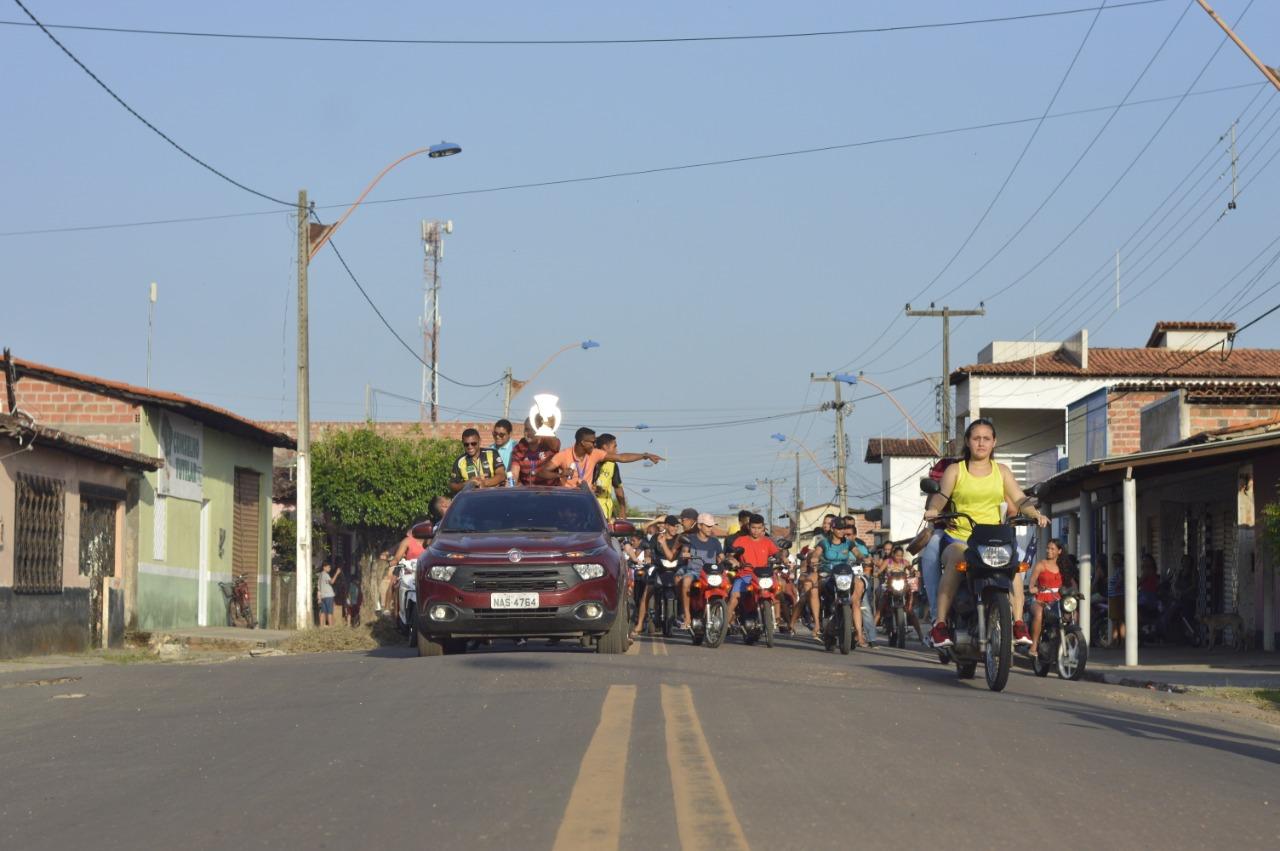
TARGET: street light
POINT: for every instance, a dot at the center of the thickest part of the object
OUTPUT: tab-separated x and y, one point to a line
514	386
311	238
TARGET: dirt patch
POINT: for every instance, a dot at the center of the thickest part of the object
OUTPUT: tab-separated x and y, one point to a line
49	682
342	639
1204	702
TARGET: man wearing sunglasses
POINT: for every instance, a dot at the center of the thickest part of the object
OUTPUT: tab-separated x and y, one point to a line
483	467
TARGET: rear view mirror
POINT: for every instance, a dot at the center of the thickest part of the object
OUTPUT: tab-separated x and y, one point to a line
423	530
621	528
930	485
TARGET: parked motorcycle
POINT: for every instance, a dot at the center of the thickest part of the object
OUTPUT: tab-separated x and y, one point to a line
1062	641
981	618
836	597
239	607
708	600
405	577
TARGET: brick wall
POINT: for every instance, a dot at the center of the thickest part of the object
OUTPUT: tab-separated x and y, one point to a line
1124	420
1213	417
82	412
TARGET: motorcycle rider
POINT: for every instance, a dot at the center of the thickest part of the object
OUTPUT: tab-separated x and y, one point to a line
898	561
663	545
756	550
700	548
831	548
976	486
1046	587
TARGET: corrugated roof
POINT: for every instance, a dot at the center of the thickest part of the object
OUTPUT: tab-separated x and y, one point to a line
1137	363
879	448
39	435
211	415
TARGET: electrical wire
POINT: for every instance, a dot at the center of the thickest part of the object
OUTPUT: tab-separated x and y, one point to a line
154	129
594	41
908	137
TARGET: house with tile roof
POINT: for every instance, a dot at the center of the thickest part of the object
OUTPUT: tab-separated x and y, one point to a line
199	519
902	462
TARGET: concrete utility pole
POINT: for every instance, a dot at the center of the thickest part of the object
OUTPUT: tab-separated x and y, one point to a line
303	500
946	313
1272	74
842	489
769	483
506	394
433	232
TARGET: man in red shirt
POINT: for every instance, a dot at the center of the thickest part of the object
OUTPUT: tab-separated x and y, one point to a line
577	464
756	550
531	453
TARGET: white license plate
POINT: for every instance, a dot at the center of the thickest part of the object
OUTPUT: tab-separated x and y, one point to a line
513	600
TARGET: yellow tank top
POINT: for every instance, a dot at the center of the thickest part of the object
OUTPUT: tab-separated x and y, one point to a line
978	496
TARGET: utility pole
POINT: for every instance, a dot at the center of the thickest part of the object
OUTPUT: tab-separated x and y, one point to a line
842	489
433	232
946	313
303	501
769	483
506	394
1272	74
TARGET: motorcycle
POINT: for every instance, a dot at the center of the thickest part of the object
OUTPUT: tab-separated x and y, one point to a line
836	599
895	594
239	606
707	604
1062	641
755	613
981	616
664	607
405	577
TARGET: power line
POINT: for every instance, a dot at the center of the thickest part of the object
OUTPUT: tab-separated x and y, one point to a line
908	137
154	129
551	42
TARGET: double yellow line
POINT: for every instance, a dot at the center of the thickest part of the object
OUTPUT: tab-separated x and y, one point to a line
704	813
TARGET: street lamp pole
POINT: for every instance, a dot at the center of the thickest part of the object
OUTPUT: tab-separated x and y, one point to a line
311	238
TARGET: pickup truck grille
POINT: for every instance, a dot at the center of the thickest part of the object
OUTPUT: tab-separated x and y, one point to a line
508	614
509	579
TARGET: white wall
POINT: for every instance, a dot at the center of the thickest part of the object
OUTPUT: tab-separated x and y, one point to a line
906	504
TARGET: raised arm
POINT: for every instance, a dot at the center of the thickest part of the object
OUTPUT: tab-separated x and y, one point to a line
630	457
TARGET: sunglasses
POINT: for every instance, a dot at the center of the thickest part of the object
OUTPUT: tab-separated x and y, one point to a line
470	443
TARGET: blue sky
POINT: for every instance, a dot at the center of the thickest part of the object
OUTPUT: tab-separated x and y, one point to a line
713	291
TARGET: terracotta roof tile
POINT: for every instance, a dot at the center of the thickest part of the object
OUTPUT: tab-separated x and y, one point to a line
74	444
1209	393
898	447
1137	363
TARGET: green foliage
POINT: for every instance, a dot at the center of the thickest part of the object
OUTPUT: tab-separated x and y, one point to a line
1271	520
284	542
378	485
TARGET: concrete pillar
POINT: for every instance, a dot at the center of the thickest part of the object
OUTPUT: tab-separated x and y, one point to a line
1072	543
1130	570
1084	555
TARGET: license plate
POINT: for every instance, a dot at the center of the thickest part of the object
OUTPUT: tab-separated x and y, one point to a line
514	600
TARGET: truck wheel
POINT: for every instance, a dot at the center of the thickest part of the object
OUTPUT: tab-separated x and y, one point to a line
429	646
616	639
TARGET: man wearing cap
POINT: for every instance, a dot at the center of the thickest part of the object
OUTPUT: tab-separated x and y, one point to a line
577	464
666	546
700	548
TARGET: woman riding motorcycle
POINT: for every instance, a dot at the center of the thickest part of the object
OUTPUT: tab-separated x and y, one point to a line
977	486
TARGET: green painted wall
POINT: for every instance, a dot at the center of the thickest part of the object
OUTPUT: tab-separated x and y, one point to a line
168	582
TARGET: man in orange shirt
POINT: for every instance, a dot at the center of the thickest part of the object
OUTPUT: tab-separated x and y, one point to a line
577	464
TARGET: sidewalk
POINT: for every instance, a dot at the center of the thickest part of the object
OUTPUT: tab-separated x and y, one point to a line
224	637
1183	667
210	643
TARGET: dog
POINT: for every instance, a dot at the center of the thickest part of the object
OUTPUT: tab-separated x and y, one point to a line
1215	624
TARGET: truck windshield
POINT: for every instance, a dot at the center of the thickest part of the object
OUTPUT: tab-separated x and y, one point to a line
519	510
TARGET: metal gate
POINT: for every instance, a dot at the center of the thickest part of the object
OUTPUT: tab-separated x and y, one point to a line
97	554
246	530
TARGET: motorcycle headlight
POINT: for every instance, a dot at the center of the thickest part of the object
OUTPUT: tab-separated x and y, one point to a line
1069	604
766	583
844	582
715	580
996	556
589	571
898	584
442	572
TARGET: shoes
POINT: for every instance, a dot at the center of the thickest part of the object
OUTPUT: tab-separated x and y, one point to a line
940	636
1020	635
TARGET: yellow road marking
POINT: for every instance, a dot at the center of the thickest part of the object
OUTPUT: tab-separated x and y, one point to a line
659	647
704	813
593	818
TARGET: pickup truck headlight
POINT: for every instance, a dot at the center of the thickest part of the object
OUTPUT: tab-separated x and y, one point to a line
442	572
995	556
589	571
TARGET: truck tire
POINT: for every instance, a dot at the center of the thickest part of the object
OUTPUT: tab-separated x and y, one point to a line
429	646
617	639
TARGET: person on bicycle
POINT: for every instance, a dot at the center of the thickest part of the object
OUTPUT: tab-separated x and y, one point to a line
977	486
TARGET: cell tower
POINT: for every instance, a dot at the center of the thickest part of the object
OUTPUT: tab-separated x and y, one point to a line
433	232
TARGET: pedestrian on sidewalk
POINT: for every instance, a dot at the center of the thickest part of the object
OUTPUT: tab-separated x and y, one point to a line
325	593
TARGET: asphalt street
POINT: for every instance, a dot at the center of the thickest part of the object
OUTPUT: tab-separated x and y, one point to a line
667	746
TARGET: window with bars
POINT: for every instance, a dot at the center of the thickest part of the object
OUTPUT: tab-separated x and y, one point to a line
38	529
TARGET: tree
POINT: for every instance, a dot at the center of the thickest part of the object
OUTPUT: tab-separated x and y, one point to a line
378	486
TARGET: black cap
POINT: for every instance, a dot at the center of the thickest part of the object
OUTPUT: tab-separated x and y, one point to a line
689	514
671	520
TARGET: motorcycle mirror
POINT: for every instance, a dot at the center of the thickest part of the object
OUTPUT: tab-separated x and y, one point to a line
930	485
783	544
737	551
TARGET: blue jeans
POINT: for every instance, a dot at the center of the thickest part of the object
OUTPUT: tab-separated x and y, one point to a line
868	616
931	567
742	583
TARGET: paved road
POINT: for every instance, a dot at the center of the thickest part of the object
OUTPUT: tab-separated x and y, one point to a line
668	746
